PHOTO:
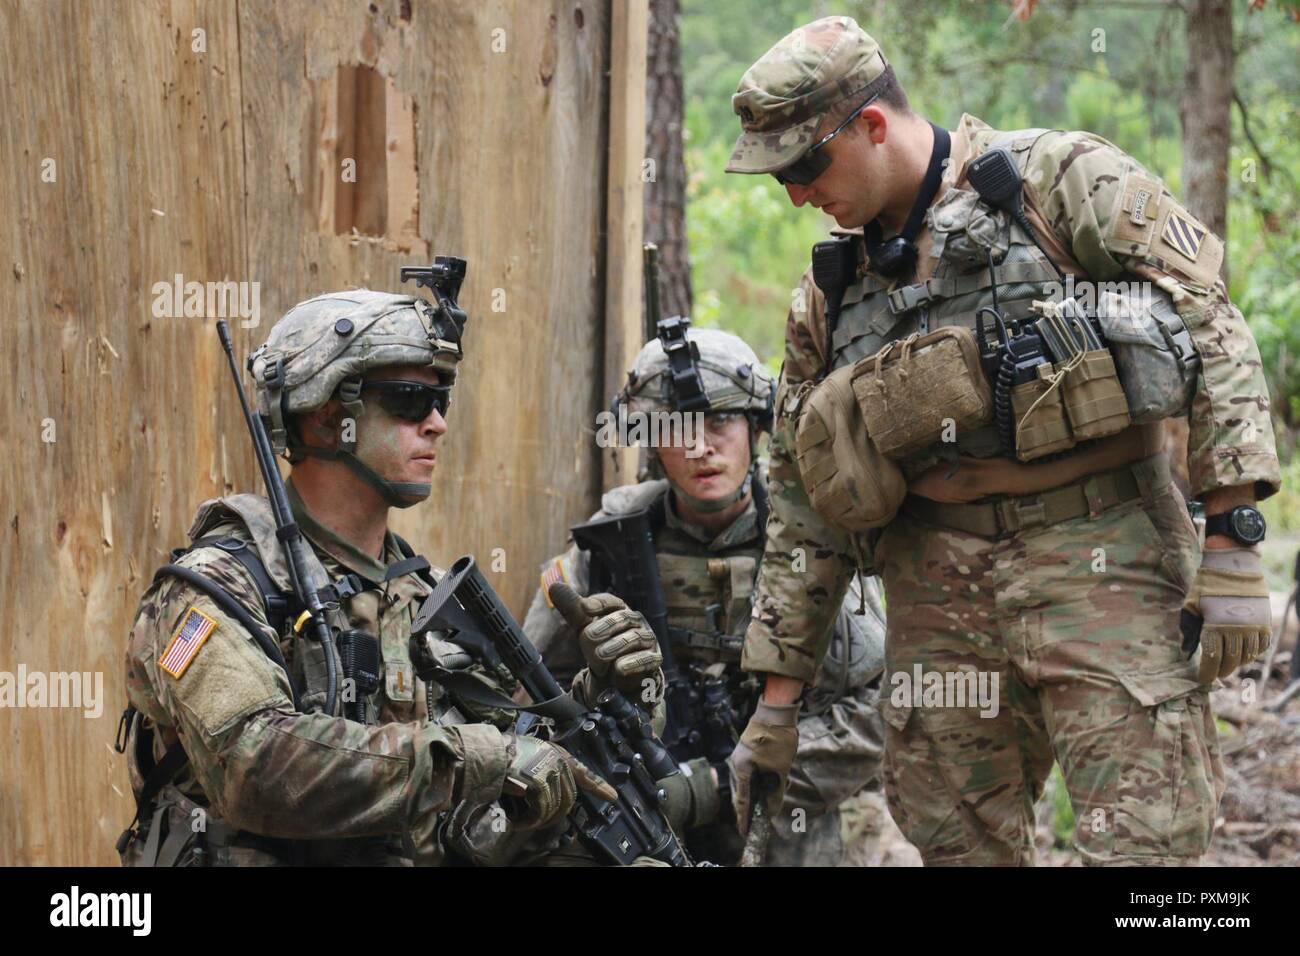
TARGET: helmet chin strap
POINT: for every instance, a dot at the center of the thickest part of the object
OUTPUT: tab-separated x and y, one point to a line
398	494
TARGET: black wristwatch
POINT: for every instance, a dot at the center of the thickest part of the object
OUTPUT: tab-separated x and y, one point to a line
1243	524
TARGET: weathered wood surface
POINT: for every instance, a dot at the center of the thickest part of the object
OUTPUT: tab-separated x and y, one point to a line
209	165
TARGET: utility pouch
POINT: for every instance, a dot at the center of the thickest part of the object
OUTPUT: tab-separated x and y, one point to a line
909	390
848	481
1094	399
1039	413
1154	356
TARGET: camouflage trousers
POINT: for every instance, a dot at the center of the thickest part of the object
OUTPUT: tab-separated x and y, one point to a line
838	761
1078	624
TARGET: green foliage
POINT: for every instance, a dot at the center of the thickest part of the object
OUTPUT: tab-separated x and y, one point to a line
1115	71
1062	811
1282	511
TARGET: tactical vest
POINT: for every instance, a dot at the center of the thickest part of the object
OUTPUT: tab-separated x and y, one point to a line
709	596
164	812
964	229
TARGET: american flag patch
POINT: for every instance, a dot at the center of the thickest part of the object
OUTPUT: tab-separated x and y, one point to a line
195	628
1182	235
553	573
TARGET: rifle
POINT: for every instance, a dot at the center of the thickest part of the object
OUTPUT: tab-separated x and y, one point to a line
701	719
614	738
287	531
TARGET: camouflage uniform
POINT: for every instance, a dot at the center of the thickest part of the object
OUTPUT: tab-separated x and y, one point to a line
269	780
840	740
1088	653
281	786
840	733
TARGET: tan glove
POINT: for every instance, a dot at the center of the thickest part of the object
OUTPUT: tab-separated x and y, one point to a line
617	643
1230	595
542	782
765	753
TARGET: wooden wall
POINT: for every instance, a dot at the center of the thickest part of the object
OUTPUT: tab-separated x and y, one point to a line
212	165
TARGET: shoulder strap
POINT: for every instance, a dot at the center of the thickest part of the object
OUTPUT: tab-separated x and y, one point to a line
761	508
277	603
157	776
425	573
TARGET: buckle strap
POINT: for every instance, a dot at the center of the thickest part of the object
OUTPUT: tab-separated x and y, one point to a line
1006	517
908	297
683	637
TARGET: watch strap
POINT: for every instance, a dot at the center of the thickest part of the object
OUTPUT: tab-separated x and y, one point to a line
1222	523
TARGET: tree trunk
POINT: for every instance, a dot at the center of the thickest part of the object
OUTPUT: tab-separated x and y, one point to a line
665	190
1205	112
1206	116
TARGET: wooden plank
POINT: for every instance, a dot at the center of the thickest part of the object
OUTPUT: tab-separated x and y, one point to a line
623	216
507	100
145	135
209	165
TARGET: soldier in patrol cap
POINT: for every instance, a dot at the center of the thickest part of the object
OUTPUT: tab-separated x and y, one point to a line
234	759
708	506
1063	575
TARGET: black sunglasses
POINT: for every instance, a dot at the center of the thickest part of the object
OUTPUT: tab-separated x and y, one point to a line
813	162
410	401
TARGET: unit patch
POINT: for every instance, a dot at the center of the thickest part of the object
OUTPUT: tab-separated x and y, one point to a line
1183	235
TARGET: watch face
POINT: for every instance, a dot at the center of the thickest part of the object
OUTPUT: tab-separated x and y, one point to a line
1248	525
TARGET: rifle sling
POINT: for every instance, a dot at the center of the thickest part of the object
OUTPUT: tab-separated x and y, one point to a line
469	689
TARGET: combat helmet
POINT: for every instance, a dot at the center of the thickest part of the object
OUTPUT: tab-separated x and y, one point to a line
322	348
700	370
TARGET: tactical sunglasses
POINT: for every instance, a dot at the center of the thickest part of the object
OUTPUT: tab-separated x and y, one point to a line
814	162
410	401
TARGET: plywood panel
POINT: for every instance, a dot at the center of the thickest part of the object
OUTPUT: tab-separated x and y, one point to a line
205	165
145	137
508	101
623	216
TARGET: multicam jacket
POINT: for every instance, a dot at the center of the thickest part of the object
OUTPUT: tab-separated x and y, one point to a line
1100	216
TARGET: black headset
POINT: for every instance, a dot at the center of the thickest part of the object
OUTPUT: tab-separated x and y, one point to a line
897	256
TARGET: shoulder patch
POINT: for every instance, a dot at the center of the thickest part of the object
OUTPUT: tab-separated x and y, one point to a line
1133	219
1182	235
1186	245
194	629
553	573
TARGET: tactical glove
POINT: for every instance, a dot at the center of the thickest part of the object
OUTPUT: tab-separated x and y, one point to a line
765	752
542	782
617	643
1231	596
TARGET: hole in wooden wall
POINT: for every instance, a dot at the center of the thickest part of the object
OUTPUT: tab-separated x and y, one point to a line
369	184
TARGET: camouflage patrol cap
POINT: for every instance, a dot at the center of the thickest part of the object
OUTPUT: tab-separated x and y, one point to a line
733	377
335	338
783	97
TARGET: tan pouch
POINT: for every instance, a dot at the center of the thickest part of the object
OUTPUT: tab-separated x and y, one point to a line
1094	398
912	387
848	481
1039	413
